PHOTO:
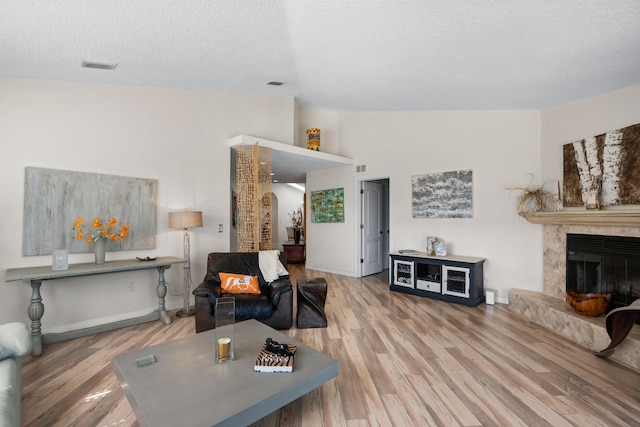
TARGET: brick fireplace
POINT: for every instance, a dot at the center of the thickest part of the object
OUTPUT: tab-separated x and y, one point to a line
549	307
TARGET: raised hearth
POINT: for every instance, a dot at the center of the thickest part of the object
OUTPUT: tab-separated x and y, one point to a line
549	307
555	314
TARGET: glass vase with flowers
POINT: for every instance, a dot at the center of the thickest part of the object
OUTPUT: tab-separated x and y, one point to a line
98	233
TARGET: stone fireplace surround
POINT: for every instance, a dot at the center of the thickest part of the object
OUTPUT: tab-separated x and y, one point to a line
549	307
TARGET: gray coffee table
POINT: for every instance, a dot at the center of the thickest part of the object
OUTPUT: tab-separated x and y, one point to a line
185	387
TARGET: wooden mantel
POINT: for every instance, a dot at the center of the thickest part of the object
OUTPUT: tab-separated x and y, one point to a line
609	217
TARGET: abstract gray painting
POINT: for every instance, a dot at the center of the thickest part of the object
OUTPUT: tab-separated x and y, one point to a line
53	199
443	195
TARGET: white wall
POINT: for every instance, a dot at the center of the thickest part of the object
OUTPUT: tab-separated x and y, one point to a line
500	147
327	122
331	246
178	137
587	117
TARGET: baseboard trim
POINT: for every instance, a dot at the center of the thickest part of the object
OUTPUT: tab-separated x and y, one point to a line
326	270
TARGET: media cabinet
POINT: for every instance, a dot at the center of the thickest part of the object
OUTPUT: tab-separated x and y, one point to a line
448	278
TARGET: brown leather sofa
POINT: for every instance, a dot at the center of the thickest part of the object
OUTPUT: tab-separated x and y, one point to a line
273	306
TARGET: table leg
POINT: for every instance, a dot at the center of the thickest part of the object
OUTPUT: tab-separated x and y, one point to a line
35	312
161	291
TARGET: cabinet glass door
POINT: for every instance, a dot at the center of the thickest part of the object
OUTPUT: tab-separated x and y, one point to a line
403	273
455	281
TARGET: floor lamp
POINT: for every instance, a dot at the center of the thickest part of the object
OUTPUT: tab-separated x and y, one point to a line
186	220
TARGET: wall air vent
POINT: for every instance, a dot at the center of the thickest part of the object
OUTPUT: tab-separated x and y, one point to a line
98	65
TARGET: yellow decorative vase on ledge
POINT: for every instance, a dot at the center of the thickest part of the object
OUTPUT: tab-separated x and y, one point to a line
313	139
100	250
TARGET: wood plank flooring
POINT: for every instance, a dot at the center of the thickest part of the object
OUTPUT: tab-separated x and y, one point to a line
404	361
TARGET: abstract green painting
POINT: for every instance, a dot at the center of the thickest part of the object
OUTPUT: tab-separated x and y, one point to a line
327	205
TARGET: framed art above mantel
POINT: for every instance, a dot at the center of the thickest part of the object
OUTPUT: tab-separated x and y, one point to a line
613	159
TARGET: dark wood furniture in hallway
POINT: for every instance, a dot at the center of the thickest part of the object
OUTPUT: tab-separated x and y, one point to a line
295	251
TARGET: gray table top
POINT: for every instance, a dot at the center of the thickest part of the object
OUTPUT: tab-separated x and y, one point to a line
45	272
456	258
186	387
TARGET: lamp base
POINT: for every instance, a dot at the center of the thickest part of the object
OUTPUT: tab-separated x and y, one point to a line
183	313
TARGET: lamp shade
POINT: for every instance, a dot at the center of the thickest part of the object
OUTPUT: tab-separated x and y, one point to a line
185	219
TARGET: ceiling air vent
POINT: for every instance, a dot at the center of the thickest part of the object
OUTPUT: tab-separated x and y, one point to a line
98	65
274	83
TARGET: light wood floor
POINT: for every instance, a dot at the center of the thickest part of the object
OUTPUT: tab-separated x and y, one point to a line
404	361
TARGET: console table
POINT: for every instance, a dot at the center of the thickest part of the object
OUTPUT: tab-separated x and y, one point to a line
294	251
36	275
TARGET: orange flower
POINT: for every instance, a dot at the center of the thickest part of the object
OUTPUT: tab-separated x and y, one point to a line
100	231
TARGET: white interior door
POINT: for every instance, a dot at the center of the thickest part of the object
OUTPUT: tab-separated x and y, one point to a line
372	228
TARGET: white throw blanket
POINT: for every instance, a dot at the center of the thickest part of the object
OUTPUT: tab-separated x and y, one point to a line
270	265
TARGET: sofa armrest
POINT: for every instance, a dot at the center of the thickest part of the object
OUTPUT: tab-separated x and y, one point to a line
15	339
279	287
210	289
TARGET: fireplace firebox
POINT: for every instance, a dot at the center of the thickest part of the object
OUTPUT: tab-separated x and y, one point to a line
604	264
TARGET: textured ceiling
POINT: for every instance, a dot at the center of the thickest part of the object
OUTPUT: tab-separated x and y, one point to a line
340	55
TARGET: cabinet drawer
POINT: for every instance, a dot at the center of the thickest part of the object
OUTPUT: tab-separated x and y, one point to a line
428	286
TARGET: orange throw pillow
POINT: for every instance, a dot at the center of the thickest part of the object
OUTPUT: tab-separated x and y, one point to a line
239	283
